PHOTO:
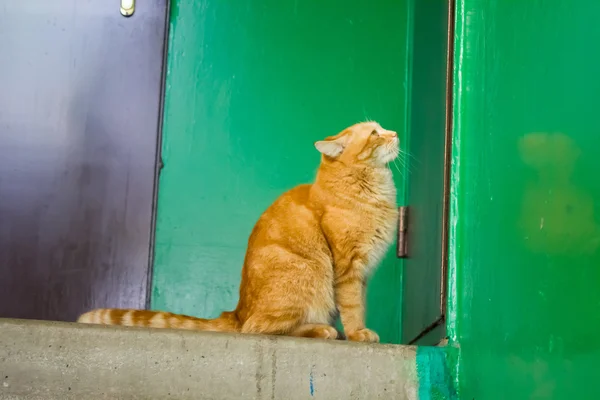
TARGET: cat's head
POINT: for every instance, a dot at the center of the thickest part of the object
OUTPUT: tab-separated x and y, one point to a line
366	143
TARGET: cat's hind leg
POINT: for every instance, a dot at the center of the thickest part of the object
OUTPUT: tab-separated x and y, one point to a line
273	323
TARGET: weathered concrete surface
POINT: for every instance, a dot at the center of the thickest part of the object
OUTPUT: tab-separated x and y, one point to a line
49	360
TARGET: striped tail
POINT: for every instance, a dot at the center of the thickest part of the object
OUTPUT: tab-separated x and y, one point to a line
227	322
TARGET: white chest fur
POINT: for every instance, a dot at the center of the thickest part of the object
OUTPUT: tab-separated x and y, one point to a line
384	224
374	231
360	225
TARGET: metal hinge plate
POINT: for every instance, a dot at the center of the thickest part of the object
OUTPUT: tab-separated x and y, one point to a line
401	248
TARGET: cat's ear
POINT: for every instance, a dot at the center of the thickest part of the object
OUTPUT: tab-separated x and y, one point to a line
332	147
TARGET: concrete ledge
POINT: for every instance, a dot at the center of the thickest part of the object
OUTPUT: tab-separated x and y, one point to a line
51	360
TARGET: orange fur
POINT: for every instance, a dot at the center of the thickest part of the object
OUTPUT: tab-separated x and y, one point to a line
311	252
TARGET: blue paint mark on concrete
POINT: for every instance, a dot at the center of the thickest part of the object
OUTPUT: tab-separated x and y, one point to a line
311	383
435	380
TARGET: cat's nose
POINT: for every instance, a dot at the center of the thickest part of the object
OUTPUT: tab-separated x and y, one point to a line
392	134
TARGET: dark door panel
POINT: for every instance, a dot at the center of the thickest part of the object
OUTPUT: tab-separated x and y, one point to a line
79	126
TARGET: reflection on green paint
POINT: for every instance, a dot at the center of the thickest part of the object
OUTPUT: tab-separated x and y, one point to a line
557	217
250	87
524	254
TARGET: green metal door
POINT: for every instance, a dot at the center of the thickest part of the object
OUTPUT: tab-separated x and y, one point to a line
250	87
423	308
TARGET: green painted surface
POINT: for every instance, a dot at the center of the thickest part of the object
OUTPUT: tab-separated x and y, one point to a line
525	211
435	373
422	271
250	87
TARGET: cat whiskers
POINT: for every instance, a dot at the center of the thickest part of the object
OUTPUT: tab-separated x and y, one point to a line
393	162
393	150
407	155
401	168
404	162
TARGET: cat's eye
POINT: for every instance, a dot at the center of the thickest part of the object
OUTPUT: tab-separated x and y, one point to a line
374	133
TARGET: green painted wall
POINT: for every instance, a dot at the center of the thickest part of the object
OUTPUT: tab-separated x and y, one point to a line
525	212
250	87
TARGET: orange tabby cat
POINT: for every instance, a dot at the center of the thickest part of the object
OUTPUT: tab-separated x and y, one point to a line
310	253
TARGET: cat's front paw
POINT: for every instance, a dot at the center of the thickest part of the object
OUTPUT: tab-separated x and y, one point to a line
363	335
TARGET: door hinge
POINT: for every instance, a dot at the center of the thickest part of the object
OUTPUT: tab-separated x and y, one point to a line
401	248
